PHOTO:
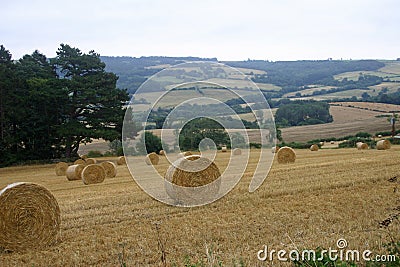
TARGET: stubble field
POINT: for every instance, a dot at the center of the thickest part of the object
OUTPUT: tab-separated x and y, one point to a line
323	196
346	121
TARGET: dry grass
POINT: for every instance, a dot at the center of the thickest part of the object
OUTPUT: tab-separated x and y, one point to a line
341	193
371	106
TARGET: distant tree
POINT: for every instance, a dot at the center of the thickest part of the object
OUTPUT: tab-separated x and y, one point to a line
131	126
303	113
238	141
365	96
151	141
116	147
198	129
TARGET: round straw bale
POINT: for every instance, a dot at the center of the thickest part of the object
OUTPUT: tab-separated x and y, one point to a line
237	151
184	154
383	144
379	136
152	159
29	217
74	172
192	179
314	147
84	157
286	155
332	142
110	168
91	161
121	160
79	161
93	174
224	149
361	146
275	149
61	168
162	152
321	143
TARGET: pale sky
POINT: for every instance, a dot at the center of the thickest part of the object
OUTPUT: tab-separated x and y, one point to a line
226	29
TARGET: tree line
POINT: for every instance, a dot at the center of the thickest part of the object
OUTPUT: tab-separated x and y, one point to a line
48	107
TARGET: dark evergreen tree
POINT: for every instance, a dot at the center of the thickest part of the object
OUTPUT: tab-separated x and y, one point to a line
8	109
94	106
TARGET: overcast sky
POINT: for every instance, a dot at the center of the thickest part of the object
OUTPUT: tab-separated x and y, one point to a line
226	29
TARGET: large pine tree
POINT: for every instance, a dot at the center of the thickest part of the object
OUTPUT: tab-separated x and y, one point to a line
49	107
94	107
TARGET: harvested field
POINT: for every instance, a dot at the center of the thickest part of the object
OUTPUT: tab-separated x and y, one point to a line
324	196
381	107
346	121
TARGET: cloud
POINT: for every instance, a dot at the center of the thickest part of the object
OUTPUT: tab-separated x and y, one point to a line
277	30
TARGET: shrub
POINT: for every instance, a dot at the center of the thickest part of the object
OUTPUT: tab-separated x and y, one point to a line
115	147
298	145
255	145
363	135
94	154
152	143
351	142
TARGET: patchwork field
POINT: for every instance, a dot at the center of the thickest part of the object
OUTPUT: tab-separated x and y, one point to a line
349	118
390	70
323	196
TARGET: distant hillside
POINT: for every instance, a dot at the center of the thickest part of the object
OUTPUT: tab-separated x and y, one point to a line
304	72
132	71
367	80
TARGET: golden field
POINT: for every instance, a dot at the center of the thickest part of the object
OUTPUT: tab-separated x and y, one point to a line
323	196
346	121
